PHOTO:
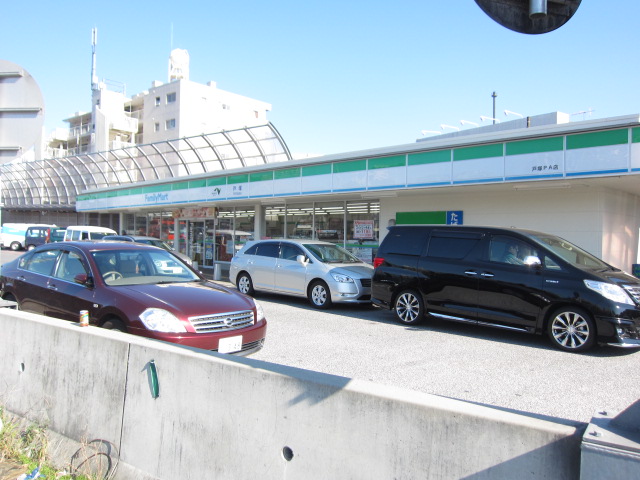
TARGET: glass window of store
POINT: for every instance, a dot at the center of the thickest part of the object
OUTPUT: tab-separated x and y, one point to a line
140	225
274	221
329	222
362	220
243	231
299	221
128	224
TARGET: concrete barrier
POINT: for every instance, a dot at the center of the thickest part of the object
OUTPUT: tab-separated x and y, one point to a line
216	416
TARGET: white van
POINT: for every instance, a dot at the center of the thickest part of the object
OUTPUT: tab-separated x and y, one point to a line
83	232
13	234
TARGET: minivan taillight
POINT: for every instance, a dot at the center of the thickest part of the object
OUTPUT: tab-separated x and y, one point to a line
377	262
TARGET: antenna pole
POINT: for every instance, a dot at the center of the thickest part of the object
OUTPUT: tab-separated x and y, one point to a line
94	42
494	95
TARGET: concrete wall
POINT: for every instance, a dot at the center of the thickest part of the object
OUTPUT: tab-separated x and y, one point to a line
226	417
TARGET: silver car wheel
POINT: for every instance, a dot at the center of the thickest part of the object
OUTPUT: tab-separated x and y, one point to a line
409	307
572	330
319	295
244	284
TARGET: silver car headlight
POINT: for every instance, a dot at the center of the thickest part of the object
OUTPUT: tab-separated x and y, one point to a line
610	291
340	278
259	312
160	320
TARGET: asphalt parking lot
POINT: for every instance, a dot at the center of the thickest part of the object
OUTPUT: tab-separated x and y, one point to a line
508	370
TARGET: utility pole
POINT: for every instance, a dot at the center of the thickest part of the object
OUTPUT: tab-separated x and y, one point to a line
494	95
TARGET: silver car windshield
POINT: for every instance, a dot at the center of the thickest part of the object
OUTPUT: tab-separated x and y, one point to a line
141	267
331	253
570	252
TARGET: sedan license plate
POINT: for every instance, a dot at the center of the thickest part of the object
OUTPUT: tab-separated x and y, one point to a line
230	344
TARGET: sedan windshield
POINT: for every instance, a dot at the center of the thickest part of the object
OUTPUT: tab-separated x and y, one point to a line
331	253
137	267
571	253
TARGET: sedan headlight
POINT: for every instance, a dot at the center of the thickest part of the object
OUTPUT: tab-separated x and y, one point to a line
259	312
160	320
338	277
610	291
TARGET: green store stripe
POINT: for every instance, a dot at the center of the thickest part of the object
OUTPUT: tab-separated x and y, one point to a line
439	156
237	179
421	218
535	146
288	173
635	135
387	162
597	139
316	170
197	183
261	176
156	188
216	181
482	151
180	186
345	167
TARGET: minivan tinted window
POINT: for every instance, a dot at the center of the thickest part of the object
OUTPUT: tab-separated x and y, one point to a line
454	246
408	241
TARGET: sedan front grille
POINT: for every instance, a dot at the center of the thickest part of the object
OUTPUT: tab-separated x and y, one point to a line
366	282
222	322
634	291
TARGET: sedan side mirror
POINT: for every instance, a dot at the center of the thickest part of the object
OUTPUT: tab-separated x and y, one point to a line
301	259
84	279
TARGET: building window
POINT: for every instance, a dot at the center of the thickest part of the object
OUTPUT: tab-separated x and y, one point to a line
156	127
171	97
157	101
170	124
226	107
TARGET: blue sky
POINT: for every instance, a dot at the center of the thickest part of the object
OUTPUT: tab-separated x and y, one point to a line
340	75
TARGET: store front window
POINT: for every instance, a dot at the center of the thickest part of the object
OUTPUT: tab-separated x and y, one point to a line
300	221
362	220
329	222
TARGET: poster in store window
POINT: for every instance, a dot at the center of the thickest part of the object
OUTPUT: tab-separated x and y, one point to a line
363	229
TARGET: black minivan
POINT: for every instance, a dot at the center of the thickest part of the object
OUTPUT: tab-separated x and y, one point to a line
507	278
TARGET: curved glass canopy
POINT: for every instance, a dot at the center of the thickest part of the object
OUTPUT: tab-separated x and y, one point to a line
55	182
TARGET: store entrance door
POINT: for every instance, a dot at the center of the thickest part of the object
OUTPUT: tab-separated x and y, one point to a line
201	244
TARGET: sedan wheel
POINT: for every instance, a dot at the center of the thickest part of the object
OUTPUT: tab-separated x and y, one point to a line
572	330
319	295
114	324
245	285
409	307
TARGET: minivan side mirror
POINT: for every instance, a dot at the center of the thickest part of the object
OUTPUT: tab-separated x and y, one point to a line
532	261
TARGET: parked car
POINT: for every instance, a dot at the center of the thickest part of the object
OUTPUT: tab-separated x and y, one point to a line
57	234
134	288
156	242
507	278
86	232
323	272
37	235
13	235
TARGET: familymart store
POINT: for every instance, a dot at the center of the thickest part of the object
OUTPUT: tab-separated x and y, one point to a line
578	180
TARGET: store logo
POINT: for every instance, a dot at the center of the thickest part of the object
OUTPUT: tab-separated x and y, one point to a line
216	192
156	197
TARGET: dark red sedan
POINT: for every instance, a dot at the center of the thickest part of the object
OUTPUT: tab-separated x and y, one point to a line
134	288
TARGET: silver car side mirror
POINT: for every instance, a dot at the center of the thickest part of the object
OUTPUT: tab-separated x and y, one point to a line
301	259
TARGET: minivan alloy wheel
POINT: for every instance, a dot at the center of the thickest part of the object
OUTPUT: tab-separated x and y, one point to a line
409	307
572	329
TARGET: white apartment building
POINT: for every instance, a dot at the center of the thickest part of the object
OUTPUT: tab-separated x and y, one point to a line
176	109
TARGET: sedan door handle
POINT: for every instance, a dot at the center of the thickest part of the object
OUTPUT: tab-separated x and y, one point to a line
471	272
52	286
487	274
